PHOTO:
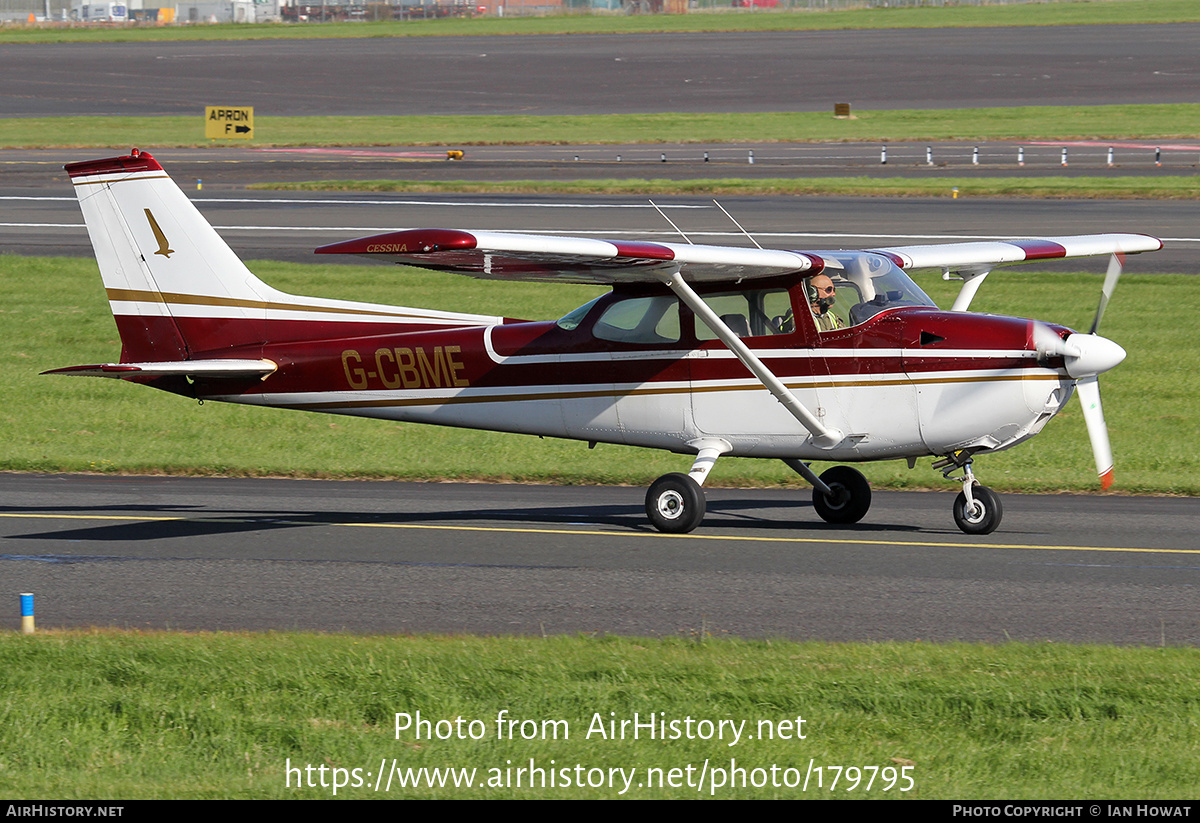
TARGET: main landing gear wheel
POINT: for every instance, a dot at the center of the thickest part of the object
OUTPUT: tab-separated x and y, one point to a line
675	503
981	518
850	498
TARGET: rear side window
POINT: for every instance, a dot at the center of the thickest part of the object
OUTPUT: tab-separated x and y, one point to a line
640	320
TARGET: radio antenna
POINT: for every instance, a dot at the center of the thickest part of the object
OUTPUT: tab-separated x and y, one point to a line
672	222
736	223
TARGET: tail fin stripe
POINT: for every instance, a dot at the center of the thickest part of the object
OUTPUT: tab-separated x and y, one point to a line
96	180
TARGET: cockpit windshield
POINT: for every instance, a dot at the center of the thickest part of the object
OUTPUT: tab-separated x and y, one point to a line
863	285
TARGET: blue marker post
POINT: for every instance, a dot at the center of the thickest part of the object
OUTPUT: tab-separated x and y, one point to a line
26	613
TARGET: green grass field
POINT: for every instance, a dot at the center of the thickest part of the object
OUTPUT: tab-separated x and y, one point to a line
1175	121
1075	188
1085	12
55	315
130	715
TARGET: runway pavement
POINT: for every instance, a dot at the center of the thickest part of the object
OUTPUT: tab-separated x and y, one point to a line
628	73
289	225
188	553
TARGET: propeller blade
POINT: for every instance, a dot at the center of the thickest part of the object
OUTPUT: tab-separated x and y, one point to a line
1046	341
1116	265
1093	415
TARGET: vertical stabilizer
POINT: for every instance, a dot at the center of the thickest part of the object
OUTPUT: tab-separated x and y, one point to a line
178	292
174	286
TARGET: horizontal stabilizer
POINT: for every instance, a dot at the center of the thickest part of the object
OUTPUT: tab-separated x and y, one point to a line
176	368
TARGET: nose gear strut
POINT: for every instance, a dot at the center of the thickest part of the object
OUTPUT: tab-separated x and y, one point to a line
977	509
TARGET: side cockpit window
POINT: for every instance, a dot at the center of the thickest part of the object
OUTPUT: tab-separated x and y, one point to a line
753	313
829	300
640	320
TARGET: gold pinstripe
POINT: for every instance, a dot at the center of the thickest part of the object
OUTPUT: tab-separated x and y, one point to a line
577	395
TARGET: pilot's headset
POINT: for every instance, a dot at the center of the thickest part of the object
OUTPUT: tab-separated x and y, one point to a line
823	301
810	290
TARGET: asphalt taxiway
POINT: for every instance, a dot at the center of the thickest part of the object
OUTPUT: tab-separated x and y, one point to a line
194	553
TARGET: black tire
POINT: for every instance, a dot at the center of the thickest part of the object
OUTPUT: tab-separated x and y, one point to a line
851	496
675	503
986	515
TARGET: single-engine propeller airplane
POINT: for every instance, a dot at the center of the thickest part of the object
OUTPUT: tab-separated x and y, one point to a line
799	356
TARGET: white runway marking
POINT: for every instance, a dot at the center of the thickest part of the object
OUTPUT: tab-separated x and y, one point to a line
782	235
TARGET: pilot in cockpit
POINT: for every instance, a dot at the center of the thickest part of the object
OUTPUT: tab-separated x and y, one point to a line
821	297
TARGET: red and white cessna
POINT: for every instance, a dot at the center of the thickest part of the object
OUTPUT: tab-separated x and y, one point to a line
701	350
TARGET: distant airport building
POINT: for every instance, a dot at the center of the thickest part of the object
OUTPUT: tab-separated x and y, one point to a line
139	11
227	11
259	11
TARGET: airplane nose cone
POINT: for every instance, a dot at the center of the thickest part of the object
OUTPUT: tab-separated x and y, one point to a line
1087	355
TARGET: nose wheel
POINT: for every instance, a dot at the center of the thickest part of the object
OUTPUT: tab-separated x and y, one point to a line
980	513
977	509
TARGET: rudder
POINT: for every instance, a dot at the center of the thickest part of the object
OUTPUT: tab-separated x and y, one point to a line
174	286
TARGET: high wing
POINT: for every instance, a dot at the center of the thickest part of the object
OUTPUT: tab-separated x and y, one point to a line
552	258
503	256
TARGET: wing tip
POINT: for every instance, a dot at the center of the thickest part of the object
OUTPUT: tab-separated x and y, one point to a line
408	241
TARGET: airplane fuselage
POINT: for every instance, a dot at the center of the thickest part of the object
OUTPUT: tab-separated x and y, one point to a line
908	382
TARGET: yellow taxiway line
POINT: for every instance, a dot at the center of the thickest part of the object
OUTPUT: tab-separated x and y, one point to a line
599	533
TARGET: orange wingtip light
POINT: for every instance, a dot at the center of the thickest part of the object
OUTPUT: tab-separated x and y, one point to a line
1106	480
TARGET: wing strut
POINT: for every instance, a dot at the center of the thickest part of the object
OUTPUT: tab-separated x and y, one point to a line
822	436
972	279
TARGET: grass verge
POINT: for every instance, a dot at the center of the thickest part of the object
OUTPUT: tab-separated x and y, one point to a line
1084	12
1151	121
1109	188
135	715
54	314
